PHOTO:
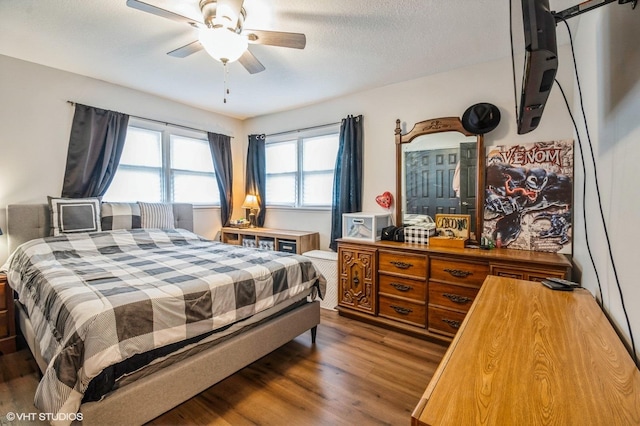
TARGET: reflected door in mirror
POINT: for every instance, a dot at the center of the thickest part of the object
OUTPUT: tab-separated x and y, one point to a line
441	181
432	181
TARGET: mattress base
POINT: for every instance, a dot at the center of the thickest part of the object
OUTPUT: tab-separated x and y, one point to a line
155	394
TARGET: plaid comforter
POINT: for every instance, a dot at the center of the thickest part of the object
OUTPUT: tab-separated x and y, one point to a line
97	299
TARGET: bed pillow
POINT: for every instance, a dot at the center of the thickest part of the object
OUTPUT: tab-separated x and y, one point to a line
157	215
74	215
120	216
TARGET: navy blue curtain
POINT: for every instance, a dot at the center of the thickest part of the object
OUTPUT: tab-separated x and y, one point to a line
347	181
256	180
95	147
220	146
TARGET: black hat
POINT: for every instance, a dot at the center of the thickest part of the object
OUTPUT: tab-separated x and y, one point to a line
481	118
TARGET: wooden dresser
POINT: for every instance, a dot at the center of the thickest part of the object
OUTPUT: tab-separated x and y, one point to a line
7	318
426	292
528	355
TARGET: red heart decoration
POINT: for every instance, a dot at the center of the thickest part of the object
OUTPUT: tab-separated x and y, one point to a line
385	199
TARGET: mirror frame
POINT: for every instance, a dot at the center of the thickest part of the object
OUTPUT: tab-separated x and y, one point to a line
440	125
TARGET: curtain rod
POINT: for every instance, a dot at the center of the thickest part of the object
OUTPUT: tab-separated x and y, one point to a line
159	121
305	128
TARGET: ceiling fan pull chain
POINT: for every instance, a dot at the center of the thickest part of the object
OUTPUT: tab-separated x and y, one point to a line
226	76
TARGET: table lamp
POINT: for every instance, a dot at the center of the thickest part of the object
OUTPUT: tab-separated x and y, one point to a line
251	203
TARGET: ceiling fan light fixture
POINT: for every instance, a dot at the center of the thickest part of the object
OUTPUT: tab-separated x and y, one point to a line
223	44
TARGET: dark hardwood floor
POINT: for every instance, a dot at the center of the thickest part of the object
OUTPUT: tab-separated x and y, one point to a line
355	374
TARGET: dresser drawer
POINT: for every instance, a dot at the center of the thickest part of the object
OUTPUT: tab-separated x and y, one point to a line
402	310
457	271
445	321
528	274
452	296
397	286
408	264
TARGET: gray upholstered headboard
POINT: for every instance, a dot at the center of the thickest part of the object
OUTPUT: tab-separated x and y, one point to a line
28	221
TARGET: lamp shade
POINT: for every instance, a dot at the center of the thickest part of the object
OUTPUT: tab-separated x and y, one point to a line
250	202
223	44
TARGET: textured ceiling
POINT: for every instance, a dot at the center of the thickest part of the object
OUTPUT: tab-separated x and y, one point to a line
352	45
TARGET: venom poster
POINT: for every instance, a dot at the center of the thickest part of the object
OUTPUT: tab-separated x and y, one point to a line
529	196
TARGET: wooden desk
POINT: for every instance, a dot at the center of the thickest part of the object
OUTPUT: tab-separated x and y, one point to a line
527	355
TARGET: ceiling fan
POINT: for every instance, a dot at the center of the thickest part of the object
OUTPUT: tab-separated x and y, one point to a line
221	32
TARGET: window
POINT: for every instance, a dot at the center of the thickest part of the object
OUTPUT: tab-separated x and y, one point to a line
300	168
164	165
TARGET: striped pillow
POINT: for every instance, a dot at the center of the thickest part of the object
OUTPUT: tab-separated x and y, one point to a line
120	216
73	215
157	215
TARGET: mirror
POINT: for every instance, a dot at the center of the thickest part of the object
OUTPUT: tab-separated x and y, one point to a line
439	169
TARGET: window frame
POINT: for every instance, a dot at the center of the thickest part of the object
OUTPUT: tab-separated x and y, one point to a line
299	136
166	170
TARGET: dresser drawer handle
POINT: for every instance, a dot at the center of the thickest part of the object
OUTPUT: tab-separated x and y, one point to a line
401	265
459	273
457	299
401	310
401	287
452	323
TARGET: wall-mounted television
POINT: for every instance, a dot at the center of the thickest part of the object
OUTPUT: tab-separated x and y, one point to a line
540	64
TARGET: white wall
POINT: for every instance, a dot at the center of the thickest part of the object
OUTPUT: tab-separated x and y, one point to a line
609	68
35	121
442	95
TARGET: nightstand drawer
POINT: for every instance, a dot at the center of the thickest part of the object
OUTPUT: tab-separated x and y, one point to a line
456	271
445	321
4	324
413	265
402	310
452	296
4	288
403	287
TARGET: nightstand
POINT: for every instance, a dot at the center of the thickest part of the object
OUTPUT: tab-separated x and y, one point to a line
7	317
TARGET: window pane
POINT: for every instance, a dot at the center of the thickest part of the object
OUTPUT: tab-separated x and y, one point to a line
319	153
197	189
142	148
317	189
135	185
190	154
281	190
282	157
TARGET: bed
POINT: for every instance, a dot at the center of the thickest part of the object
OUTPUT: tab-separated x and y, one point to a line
161	366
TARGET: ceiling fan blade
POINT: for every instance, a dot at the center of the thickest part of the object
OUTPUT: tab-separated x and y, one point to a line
251	63
155	10
276	38
186	50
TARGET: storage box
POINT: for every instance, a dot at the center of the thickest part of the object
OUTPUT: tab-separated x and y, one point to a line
417	234
364	226
266	243
249	242
288	246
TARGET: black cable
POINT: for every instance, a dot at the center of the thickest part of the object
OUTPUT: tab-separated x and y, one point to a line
513	60
595	175
584	193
